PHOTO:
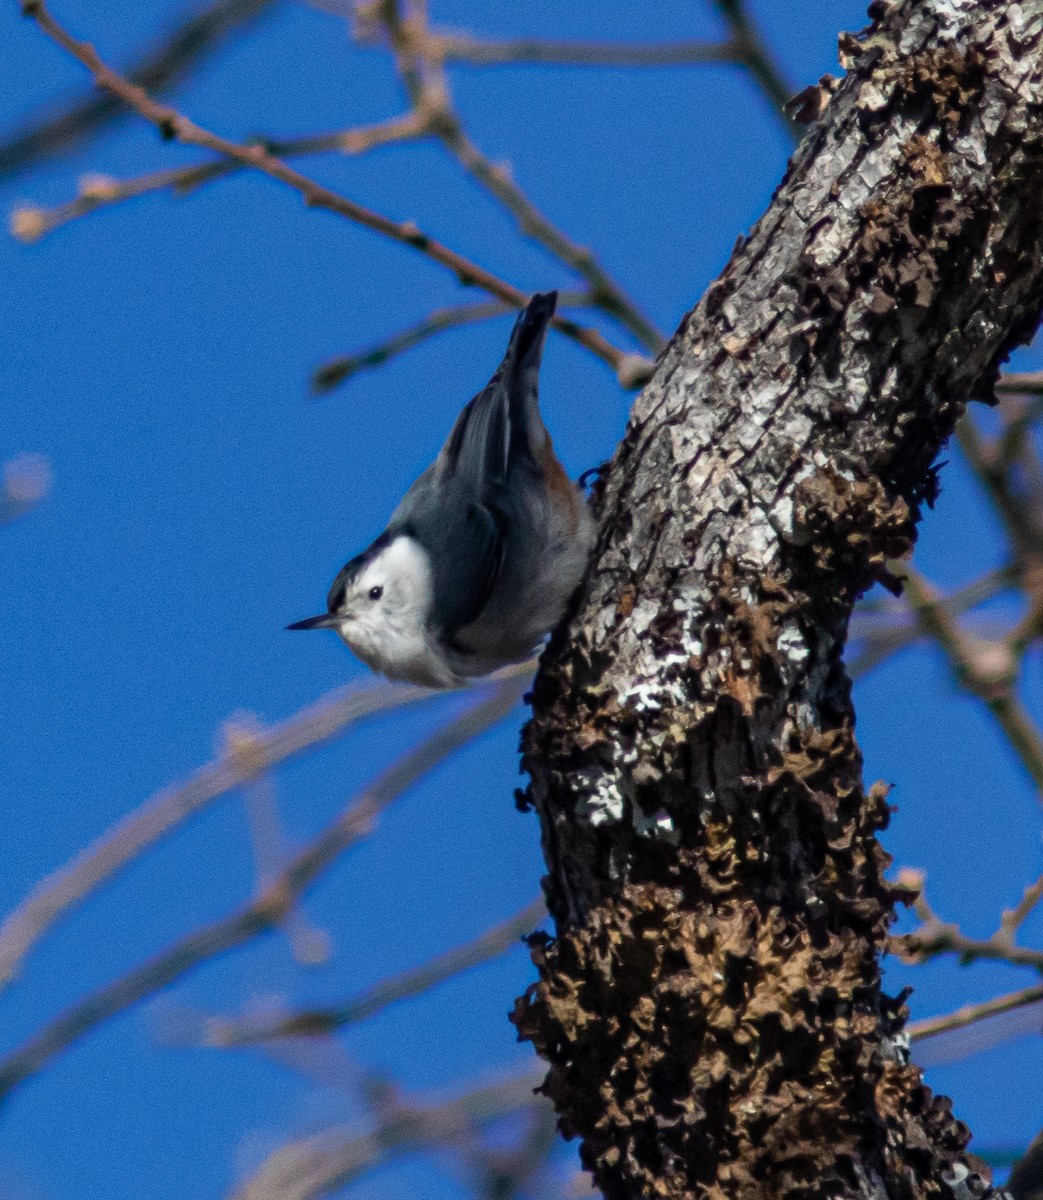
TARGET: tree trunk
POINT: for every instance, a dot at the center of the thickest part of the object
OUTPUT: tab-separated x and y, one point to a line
711	1005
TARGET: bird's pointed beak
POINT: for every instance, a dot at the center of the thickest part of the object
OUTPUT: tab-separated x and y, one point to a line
322	621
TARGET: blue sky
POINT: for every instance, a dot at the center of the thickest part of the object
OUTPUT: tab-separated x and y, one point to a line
158	355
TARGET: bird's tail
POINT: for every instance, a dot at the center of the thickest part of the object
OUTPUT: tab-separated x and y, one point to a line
529	331
520	371
503	421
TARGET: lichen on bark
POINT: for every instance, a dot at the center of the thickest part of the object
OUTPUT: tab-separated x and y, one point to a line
711	1005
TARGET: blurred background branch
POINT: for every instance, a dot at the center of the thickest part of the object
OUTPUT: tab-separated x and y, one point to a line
26	481
276	899
317	1166
317	724
236	1031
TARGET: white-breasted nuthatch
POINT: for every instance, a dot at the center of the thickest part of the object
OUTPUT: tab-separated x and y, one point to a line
480	558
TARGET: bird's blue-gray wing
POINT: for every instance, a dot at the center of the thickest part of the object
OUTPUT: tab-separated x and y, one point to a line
465	542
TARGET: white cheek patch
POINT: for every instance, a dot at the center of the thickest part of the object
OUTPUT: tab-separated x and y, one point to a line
403	570
390	634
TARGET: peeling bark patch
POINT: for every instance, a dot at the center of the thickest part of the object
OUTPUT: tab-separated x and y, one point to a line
947	80
851	528
711	1006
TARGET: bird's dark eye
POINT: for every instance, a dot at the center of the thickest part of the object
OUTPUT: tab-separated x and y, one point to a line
375	593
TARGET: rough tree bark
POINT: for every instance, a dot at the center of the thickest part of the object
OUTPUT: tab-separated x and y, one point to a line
711	1006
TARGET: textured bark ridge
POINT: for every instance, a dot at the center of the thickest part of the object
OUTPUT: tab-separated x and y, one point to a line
711	1005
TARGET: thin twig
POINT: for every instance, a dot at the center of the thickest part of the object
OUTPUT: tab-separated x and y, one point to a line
1012	919
483	52
513	1172
751	49
327	1162
941	1039
1024	531
338	370
1020	383
935	936
164	65
174	125
878	644
326	1063
58	892
355	822
991	682
30	222
319	1022
604	291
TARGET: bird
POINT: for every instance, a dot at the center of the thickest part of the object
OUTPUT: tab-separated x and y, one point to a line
483	553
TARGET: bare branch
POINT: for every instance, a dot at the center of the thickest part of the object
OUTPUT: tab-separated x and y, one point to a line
947	1048
326	1162
183	49
935	937
174	125
969	1014
320	1022
604	291
324	1062
745	47
1019	518
29	223
355	822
